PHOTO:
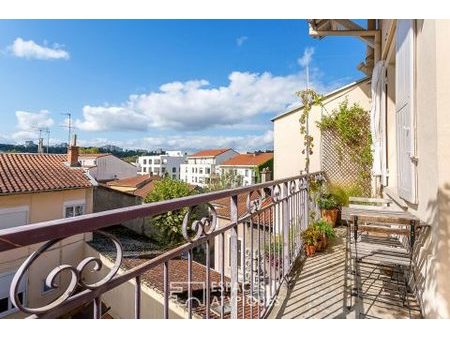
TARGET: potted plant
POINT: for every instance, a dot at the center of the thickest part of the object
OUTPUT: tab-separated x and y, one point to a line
326	232
310	237
329	207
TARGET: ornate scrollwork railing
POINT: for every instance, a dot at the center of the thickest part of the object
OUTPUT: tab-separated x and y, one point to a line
76	275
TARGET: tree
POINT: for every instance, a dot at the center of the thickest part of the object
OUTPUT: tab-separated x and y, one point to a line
227	180
168	225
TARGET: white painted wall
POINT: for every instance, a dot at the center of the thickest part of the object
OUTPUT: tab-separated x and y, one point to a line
162	164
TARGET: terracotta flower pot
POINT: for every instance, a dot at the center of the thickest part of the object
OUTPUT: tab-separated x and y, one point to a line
330	215
310	250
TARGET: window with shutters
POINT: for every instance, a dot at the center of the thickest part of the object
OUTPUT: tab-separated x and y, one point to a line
404	107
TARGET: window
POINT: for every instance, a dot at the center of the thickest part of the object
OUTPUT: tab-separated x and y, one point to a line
246	172
174	169
404	108
208	171
150	161
157	161
239	253
174	176
6	306
163	170
72	209
144	169
145	161
201	171
192	170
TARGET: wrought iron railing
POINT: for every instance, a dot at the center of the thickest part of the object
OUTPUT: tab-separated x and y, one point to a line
265	220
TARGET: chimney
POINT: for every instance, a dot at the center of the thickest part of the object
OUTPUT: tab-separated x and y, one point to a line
266	175
72	154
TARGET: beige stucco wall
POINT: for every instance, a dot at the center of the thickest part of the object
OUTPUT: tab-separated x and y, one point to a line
288	142
43	207
432	124
121	298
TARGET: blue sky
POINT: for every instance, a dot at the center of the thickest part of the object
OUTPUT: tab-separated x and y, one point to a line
171	84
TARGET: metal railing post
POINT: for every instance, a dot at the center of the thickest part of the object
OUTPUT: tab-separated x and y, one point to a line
285	225
233	256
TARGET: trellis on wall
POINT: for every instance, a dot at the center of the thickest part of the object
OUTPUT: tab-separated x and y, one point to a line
338	162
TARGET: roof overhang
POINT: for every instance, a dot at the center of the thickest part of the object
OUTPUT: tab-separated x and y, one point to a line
319	28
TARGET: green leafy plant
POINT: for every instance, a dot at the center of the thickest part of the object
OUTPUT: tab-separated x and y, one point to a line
309	99
351	123
311	236
343	192
168	225
328	202
324	228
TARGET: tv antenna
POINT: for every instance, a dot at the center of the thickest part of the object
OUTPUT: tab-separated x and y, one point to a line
43	131
68	125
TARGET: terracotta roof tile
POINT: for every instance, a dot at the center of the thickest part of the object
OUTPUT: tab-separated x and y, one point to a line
210	152
21	173
178	279
249	159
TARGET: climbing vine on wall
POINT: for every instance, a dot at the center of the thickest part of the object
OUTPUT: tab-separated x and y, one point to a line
309	99
351	124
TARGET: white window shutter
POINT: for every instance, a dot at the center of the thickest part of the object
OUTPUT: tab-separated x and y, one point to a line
404	88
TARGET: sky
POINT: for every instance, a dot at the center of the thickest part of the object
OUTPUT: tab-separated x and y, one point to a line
162	84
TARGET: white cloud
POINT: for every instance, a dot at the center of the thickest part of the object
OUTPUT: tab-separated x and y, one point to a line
306	58
196	105
240	40
31	50
191	142
29	123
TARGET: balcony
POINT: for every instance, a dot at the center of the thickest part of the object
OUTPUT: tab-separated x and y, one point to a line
248	264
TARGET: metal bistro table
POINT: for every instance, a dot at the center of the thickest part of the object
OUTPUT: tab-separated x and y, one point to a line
372	228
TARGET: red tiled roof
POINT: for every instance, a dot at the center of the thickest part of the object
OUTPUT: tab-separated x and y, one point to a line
132	182
22	173
143	184
222	207
209	152
178	281
249	159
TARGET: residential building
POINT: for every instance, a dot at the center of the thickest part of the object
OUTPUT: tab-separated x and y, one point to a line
407	61
248	166
36	188
201	165
106	167
289	143
167	164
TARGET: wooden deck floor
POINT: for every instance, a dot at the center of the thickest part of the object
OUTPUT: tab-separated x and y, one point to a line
324	286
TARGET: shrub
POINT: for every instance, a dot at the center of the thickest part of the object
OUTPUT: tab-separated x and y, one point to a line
311	236
327	202
324	228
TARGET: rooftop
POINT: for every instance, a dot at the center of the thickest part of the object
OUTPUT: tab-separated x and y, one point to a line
142	184
210	152
26	173
249	159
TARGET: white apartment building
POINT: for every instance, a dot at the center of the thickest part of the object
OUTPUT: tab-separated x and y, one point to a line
161	165
202	164
248	166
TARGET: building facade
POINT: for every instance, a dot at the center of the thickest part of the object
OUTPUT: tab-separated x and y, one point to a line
289	143
201	165
162	165
47	188
248	167
106	167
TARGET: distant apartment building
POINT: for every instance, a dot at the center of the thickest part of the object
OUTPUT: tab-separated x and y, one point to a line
162	165
248	166
106	167
201	165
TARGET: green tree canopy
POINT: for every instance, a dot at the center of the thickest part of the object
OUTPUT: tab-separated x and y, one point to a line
168	225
